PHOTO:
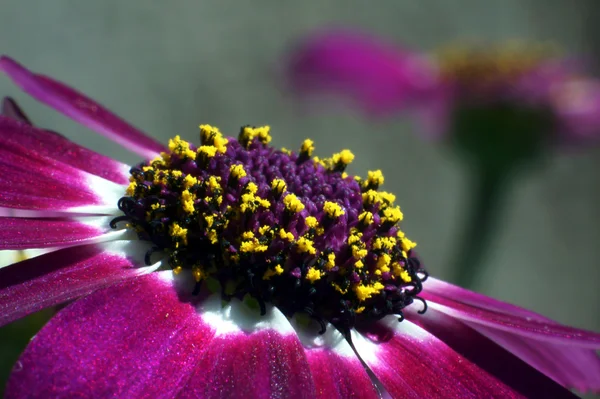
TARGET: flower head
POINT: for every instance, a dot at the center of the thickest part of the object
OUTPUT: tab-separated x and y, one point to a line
384	79
259	242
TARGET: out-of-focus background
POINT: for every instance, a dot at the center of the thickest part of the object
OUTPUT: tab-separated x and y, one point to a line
167	67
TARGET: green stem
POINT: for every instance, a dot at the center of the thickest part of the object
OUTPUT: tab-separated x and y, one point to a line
488	193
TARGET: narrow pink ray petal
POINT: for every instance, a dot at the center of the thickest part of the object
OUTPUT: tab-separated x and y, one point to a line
66	274
569	366
53	145
137	339
412	363
486	354
35	182
250	356
80	108
379	77
336	369
515	324
470	298
24	233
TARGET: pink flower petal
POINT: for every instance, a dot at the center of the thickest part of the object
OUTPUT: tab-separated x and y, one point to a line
486	354
514	323
335	367
147	338
53	145
66	274
569	366
36	182
24	233
137	339
378	76
250	356
412	363
80	108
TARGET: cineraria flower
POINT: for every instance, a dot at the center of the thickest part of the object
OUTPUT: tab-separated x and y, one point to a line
499	107
232	269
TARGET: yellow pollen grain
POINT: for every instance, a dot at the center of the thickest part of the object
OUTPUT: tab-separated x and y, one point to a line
247	235
189	181
198	273
213	183
333	210
177	270
344	157
364	292
366	218
210	219
286	235
330	264
306	246
292	203
307	148
181	148
187	202
272	272
360	310
359	264
407	244
392	215
262	230
252	188
207	151
383	263
375	178
176	231
131	189
278	186
313	274
311	222
237	171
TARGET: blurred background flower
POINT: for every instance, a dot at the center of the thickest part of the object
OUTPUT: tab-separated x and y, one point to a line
500	107
216	63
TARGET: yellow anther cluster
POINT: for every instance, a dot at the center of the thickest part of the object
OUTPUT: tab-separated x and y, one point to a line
374	180
176	231
365	218
276	271
392	215
307	148
313	275
286	235
292	203
364	292
181	148
237	171
306	245
211	136
248	134
250	202
345	157
278	186
332	209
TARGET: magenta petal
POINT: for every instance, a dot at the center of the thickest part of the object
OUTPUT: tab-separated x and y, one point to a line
570	366
251	356
24	233
520	322
336	369
376	75
137	339
37	182
412	363
80	108
486	354
53	145
63	275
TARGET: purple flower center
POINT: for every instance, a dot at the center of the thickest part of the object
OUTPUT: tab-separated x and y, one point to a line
280	227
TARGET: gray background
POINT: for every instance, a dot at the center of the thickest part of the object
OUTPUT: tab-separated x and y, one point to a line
169	66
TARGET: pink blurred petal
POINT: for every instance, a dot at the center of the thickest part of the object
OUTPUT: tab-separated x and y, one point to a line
80	108
376	75
569	366
497	361
412	363
577	104
335	367
66	274
515	323
51	144
25	233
